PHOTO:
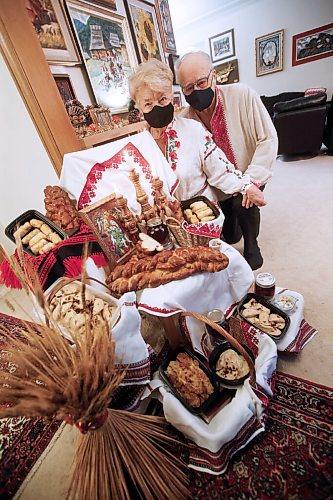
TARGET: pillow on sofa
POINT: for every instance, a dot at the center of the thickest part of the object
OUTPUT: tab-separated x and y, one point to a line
314	90
300	103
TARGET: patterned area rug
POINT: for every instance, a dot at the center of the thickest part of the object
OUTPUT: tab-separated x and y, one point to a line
292	459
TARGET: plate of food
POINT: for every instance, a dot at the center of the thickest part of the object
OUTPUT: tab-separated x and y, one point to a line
199	209
189	380
263	315
38	234
228	365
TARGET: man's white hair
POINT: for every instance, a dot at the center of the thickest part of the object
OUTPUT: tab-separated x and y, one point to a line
201	53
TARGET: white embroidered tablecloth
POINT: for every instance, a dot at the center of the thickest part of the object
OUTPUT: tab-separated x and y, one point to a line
92	174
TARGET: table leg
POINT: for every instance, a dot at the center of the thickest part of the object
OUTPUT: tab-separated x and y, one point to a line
172	331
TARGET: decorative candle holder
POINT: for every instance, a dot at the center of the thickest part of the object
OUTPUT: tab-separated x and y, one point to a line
127	217
147	211
160	197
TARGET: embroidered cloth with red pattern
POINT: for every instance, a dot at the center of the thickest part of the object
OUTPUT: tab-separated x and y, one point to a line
63	260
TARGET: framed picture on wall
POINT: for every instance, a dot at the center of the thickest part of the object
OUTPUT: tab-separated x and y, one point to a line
107	51
312	45
145	29
227	72
269	53
172	58
65	87
102	217
222	46
165	24
53	32
177	99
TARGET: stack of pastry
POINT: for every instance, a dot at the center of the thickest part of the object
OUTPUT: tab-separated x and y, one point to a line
166	266
38	236
59	208
71	311
199	211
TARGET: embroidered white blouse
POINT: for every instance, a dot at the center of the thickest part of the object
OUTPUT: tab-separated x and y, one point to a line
201	167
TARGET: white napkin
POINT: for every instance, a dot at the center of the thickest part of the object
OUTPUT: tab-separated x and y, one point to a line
229	421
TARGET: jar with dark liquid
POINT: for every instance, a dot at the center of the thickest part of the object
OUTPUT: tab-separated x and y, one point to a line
159	231
265	285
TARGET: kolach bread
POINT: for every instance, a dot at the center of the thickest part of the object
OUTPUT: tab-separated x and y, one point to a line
165	266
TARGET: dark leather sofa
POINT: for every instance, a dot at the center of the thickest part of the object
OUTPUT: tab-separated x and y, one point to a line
269	101
300	124
328	133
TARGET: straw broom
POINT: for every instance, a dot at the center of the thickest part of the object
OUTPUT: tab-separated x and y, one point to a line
55	379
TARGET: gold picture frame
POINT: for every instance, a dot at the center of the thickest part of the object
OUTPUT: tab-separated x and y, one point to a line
107	50
54	33
269	53
103	219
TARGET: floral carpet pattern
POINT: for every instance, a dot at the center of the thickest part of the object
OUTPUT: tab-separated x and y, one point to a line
292	459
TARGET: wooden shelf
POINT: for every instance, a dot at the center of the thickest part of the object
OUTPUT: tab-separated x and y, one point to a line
113	134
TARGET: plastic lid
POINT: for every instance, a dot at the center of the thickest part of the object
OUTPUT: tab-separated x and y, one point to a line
215	315
265	280
155	221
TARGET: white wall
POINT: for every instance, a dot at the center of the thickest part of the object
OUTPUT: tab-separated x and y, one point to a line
25	168
251	19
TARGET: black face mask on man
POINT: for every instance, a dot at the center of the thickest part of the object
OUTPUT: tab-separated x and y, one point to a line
200	99
160	116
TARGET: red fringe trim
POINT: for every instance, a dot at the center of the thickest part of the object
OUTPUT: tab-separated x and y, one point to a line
7	277
73	265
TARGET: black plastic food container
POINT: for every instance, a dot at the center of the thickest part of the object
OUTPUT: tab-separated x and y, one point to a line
186	204
271	307
212	397
26	217
214	357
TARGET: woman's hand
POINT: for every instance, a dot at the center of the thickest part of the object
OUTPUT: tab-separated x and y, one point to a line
253	196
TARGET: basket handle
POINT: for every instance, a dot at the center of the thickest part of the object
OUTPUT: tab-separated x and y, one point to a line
173	220
228	337
65	281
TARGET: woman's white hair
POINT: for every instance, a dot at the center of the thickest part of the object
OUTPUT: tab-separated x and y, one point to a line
154	74
180	61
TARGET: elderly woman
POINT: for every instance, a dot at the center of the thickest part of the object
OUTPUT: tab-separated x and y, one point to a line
201	167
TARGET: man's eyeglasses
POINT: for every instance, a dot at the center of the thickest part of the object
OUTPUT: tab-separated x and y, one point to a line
201	83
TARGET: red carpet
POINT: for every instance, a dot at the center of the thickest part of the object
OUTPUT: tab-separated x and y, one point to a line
293	459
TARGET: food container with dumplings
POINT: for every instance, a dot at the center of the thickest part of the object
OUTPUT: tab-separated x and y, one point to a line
172	357
26	217
272	310
228	366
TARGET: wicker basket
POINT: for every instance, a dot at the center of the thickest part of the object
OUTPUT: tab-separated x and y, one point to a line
228	337
182	237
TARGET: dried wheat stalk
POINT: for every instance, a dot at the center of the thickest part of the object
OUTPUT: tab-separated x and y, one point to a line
55	379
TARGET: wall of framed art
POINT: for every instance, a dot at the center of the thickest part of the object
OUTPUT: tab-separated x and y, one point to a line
257	20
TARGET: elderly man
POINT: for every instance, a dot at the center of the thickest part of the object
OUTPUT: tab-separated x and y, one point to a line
242	128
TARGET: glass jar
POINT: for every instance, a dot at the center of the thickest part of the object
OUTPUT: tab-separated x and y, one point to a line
265	285
212	337
159	231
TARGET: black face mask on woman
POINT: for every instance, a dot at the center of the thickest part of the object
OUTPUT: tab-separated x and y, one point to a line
200	99
160	116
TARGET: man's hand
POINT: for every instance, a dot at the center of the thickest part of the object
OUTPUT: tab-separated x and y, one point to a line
253	196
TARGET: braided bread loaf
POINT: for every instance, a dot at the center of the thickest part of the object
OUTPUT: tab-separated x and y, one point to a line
166	266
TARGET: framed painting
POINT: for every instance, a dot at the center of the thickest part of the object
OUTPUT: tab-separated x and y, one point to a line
269	53
65	87
172	58
222	46
312	45
165	24
102	217
145	30
177	99
53	31
107	51
227	72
